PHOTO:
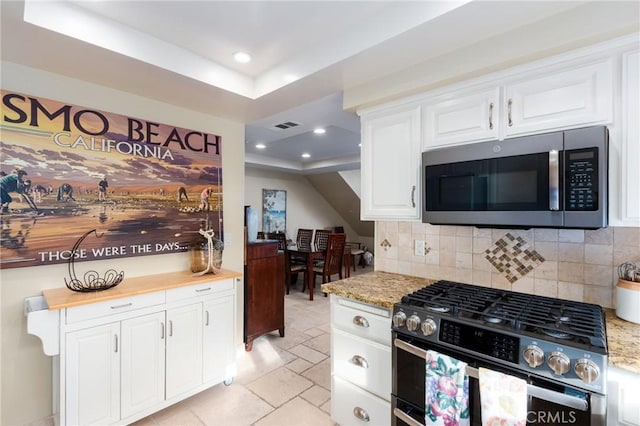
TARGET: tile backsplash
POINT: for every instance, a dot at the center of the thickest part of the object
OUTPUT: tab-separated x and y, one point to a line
570	264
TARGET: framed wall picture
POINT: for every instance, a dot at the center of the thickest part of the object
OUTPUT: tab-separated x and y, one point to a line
274	210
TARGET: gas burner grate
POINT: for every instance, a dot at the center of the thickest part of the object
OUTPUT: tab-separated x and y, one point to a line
538	316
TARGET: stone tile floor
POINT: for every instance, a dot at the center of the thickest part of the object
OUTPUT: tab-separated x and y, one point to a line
282	381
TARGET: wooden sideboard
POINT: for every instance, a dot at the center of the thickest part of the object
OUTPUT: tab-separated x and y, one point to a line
263	291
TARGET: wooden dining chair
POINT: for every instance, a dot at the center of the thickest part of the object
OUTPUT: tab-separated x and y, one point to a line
291	270
320	239
303	239
333	259
357	252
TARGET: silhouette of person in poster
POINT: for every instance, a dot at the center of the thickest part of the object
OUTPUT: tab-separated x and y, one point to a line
102	189
13	183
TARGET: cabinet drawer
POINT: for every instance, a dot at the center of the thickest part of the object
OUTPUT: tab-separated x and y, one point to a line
199	290
351	405
371	323
115	306
364	363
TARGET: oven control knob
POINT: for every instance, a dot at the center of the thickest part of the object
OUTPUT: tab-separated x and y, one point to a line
399	319
559	363
413	322
428	327
587	370
534	356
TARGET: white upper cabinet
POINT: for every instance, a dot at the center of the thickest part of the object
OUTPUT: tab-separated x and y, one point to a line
576	96
629	191
596	85
391	164
461	117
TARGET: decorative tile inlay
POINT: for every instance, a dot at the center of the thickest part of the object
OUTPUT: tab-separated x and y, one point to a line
513	257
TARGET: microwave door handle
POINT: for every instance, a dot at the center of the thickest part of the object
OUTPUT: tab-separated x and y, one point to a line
532	390
554	180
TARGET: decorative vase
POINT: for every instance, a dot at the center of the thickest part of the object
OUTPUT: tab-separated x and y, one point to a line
199	254
252	224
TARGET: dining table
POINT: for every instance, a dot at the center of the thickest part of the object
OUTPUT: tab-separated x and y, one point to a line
308	255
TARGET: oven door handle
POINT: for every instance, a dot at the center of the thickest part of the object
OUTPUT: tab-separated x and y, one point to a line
406	418
532	390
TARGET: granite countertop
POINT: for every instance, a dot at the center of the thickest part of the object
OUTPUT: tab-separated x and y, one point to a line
623	340
384	289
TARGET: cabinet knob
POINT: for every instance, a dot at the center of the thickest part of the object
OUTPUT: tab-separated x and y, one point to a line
361	414
361	321
359	361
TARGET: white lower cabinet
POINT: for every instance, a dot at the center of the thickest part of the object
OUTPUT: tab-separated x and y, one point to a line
360	363
351	405
219	362
142	347
118	368
184	349
93	375
622	397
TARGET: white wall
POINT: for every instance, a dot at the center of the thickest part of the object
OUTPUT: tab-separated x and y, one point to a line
26	371
306	208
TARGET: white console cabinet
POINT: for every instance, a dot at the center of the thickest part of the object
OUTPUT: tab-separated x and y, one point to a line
360	363
128	356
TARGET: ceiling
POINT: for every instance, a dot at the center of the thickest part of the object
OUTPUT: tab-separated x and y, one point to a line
305	54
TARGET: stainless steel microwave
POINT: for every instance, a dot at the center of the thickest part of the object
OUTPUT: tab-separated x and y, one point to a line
552	180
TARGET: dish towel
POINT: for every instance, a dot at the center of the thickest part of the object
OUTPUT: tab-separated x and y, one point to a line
446	391
503	399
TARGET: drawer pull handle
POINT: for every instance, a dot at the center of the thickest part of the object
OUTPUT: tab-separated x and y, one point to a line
361	321
359	361
122	306
361	414
200	290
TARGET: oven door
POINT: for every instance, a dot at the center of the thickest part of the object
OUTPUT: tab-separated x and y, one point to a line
548	403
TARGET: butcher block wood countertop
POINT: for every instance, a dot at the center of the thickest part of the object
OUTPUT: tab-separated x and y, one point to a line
60	298
384	289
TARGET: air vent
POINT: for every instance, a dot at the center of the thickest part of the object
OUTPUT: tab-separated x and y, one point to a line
286	125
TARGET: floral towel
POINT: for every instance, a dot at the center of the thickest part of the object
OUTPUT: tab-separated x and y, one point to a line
503	399
446	391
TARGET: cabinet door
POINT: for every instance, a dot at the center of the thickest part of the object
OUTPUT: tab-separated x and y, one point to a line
570	98
630	170
391	165
461	118
184	349
142	362
93	375
218	342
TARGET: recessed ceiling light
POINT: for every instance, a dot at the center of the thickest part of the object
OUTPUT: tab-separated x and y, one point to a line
242	57
290	78
305	155
319	131
260	146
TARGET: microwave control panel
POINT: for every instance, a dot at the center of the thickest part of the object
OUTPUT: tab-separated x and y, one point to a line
581	186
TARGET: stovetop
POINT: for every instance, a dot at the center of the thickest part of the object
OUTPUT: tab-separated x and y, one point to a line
554	339
565	322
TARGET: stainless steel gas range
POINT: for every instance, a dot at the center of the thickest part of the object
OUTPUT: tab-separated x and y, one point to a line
558	346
